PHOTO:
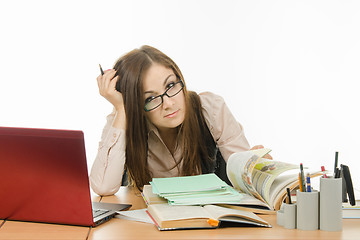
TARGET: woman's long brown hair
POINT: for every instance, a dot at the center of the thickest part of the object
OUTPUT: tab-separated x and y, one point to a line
131	69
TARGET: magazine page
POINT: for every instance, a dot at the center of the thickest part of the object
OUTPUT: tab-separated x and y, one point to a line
239	170
265	173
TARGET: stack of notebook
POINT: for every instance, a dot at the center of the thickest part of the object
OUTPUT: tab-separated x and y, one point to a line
187	203
195	190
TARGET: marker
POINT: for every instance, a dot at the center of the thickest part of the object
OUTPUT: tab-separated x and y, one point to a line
323	170
336	162
102	72
308	182
289	196
337	173
302	177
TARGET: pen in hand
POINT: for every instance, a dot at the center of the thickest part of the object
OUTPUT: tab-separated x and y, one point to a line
102	72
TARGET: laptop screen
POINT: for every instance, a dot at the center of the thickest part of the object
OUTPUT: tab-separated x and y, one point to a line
44	176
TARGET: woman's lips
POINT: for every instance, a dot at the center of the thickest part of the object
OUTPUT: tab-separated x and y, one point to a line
172	114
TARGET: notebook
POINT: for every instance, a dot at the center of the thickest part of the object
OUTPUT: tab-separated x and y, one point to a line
44	178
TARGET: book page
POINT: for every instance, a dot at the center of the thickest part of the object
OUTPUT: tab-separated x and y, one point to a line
264	174
239	170
166	212
138	215
219	212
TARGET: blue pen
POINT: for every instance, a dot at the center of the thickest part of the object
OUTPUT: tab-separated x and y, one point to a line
308	189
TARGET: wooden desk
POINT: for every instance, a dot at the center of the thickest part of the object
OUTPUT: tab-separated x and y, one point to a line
124	229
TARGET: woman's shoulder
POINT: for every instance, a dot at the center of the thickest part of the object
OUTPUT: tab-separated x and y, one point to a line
211	100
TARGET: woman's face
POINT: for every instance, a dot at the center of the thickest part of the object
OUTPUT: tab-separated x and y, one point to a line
171	112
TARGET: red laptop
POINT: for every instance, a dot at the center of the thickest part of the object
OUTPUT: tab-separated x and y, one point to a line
44	178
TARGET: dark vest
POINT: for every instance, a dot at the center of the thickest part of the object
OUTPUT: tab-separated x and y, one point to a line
217	165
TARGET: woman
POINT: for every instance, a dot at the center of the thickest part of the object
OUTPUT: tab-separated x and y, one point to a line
158	128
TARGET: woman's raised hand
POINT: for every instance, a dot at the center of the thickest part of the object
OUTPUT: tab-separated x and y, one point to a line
106	84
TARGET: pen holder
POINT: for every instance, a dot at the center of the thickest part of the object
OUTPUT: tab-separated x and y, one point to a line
280	216
307	210
331	204
289	221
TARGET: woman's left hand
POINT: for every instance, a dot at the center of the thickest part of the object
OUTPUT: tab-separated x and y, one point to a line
268	156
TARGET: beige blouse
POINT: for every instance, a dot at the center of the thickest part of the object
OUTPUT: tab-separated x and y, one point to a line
107	170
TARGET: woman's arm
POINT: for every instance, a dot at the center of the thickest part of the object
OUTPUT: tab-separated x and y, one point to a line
108	167
227	132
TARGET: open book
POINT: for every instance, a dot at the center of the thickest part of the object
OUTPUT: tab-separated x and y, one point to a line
264	179
168	217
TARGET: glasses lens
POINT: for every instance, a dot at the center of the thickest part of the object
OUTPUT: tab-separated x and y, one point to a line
153	103
157	101
175	89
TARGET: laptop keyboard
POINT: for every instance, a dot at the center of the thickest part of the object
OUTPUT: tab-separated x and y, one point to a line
98	212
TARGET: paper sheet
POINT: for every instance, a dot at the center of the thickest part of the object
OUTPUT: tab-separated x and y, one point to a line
139	215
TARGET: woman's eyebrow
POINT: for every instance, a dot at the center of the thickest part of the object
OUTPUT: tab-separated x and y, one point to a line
166	79
164	84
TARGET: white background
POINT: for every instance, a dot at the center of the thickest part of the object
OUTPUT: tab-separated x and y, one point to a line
288	70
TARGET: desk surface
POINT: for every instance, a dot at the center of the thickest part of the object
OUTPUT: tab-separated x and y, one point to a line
124	229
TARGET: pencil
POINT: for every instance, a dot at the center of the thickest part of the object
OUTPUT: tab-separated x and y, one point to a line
300	183
102	72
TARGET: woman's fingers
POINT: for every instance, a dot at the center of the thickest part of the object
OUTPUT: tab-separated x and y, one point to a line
107	88
104	81
267	156
257	147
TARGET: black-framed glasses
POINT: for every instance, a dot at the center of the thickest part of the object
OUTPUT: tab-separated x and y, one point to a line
154	102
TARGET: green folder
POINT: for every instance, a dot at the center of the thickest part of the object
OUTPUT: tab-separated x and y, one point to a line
198	183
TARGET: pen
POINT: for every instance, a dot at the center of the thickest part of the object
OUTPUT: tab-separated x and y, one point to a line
337	173
336	162
308	182
323	170
102	72
289	196
300	183
302	177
